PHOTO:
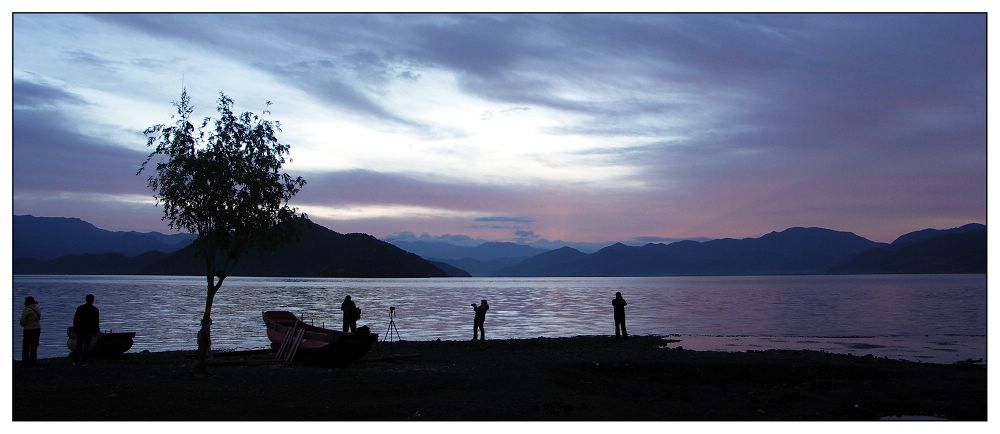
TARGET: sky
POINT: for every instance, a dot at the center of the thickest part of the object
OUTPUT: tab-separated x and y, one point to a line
541	129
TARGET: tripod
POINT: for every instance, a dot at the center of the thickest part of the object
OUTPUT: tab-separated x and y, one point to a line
392	326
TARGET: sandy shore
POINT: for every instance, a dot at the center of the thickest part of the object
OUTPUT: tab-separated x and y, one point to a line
582	378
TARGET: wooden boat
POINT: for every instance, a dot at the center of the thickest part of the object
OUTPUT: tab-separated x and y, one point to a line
318	344
105	345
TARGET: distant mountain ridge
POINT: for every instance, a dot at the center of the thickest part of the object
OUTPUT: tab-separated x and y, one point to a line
792	251
925	234
450	270
316	252
480	268
47	238
545	264
957	250
321	252
481	260
482	252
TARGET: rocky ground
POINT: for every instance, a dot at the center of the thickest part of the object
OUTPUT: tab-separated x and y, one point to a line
582	378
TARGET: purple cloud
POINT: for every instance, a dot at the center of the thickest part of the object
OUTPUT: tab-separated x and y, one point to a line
506	219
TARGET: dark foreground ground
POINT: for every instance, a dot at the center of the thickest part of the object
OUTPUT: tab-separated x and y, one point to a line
584	378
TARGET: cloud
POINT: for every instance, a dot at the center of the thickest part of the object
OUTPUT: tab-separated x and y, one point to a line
478	45
389	211
506	219
345	73
325	79
458	240
33	95
525	236
490	114
485	209
89	58
528	238
50	153
688	78
604	126
60	171
602	65
663	240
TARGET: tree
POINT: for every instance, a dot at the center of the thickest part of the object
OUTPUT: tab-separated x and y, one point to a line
223	184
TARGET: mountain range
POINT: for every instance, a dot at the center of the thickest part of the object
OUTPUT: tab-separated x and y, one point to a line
957	250
316	252
792	251
482	260
51	237
41	242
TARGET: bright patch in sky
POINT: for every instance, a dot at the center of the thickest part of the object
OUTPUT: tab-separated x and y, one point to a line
349	212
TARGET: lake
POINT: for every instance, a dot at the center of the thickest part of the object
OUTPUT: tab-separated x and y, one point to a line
933	318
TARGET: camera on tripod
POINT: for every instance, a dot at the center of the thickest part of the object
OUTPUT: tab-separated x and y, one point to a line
392	326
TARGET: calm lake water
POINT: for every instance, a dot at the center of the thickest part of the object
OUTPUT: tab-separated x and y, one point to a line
934	318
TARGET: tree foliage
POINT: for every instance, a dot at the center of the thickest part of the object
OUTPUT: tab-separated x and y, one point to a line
223	182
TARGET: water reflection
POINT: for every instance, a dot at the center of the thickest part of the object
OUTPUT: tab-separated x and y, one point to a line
165	311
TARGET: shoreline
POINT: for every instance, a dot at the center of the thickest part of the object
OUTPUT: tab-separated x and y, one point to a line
959	349
578	378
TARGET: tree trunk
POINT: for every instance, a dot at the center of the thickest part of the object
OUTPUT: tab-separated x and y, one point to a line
205	334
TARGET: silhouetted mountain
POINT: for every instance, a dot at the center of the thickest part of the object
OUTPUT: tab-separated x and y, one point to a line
176	241
481	268
90	263
958	250
450	270
317	252
545	264
792	251
51	237
482	252
913	237
482	260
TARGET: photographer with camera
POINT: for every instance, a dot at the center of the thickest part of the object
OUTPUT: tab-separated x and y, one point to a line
351	314
480	319
619	304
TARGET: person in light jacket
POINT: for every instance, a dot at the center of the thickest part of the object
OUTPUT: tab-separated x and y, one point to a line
31	322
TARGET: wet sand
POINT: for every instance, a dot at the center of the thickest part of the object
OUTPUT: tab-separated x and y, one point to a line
581	378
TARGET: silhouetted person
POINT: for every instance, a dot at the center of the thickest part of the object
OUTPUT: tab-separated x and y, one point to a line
619	304
351	314
31	322
87	325
477	324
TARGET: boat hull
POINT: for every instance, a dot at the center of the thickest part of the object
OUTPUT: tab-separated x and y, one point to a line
105	345
319	345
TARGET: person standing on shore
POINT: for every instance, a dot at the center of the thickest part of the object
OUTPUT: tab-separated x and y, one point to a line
31	322
351	314
87	325
480	319
619	303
